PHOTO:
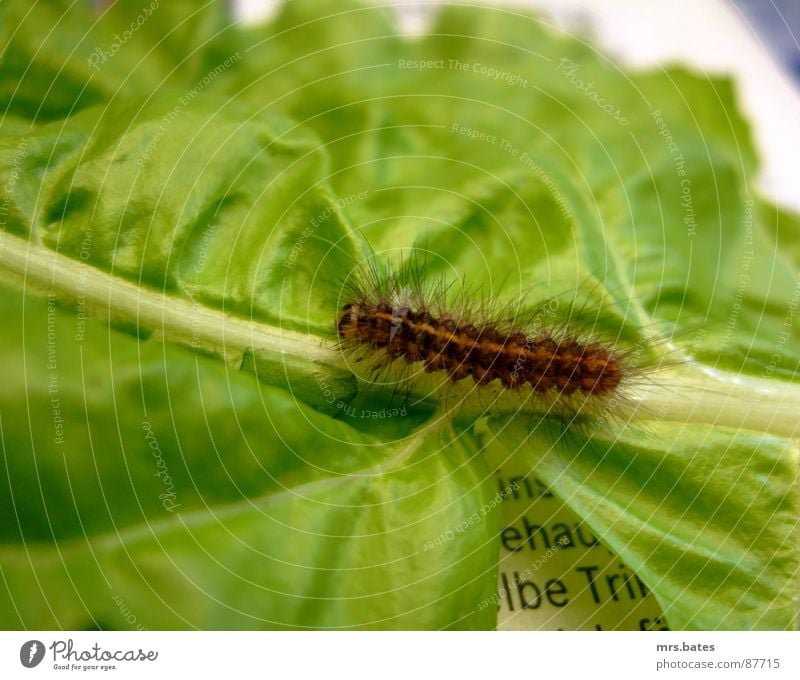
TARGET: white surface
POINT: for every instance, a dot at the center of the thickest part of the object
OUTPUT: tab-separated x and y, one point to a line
708	35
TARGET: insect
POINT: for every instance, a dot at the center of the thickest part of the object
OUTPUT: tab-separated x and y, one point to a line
484	352
400	319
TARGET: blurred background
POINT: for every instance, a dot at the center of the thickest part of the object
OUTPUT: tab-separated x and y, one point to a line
758	41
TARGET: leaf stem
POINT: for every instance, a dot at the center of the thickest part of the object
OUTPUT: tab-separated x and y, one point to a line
689	394
699	394
175	318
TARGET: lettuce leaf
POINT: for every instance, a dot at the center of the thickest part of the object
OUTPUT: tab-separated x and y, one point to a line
179	432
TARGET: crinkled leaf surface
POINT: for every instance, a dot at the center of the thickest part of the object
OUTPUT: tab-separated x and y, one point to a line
200	499
178	434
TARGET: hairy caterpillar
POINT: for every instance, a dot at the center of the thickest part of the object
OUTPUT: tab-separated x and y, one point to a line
596	363
398	321
484	352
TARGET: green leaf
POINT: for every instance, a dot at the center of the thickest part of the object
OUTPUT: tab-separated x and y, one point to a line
146	191
141	473
60	56
705	515
185	215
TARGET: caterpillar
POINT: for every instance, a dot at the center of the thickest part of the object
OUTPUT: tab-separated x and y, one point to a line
397	320
484	352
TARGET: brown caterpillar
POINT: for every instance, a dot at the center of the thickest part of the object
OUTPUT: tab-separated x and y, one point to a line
483	352
401	317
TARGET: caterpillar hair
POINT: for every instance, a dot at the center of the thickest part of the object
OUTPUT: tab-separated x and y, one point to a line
407	325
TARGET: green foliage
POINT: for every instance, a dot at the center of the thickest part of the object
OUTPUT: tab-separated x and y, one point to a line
200	473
